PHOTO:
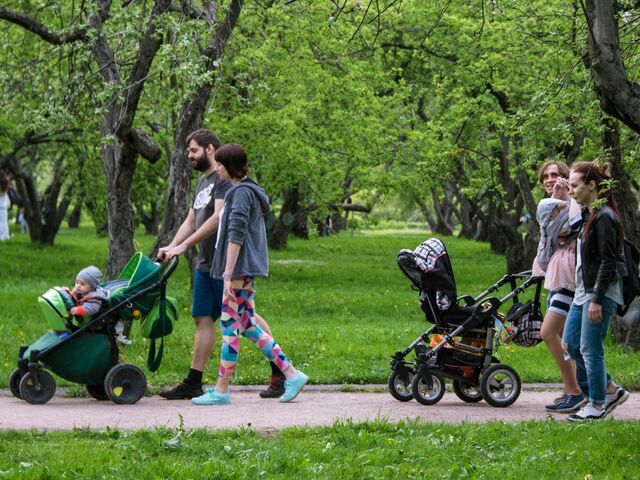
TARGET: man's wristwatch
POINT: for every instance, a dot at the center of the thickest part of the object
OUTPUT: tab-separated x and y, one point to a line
226	275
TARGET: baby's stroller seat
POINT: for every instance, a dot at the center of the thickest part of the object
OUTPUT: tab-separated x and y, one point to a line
429	268
460	344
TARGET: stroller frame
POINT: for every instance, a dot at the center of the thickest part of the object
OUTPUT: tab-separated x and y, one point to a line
476	373
39	384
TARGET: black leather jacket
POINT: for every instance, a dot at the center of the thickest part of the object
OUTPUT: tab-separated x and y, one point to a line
602	254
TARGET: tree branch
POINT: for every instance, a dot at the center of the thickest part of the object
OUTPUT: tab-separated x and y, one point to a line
501	97
403	46
34	26
146	53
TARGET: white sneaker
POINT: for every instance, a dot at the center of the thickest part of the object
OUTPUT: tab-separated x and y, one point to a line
588	412
614	399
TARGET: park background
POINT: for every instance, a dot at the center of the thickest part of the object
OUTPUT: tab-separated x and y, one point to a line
365	116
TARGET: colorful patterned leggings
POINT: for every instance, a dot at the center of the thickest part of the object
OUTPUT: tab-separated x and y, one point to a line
238	318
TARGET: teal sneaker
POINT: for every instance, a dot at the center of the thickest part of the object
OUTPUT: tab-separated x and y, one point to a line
293	386
212	397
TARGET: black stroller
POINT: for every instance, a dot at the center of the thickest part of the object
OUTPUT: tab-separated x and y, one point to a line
460	344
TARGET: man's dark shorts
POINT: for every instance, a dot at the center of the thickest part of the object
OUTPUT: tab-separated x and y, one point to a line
207	296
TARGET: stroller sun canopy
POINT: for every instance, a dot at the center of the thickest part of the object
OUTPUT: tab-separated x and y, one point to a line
429	268
139	274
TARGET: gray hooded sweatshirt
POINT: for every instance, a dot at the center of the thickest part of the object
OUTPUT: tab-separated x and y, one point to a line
245	207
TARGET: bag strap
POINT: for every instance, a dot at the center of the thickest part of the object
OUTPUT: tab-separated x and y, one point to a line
153	360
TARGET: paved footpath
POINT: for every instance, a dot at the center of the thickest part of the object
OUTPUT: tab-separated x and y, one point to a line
315	406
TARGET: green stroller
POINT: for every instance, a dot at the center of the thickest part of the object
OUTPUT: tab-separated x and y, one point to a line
85	350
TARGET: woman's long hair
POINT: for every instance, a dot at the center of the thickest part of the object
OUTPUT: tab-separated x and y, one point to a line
600	175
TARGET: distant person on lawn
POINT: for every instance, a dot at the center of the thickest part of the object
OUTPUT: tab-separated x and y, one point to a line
200	228
240	256
5	205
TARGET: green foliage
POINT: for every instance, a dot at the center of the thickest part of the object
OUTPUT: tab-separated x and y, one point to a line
339	102
373	450
310	109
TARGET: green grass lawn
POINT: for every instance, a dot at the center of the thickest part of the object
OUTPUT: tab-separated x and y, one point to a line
376	450
339	306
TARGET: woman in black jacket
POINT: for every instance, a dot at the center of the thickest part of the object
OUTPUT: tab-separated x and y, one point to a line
599	267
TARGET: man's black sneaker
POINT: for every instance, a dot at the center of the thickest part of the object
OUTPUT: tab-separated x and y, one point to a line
182	391
568	404
275	388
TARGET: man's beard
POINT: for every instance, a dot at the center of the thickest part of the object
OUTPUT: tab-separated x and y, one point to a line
201	163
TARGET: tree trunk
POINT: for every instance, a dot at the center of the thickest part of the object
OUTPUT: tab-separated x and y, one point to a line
44	215
151	219
120	214
442	227
468	228
278	236
426	213
300	227
618	96
626	330
76	213
625	198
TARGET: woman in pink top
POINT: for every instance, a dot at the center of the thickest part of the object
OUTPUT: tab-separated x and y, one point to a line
555	260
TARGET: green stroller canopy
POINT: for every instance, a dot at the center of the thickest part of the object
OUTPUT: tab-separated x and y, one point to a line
139	273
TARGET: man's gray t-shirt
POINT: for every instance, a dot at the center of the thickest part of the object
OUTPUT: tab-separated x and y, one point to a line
208	189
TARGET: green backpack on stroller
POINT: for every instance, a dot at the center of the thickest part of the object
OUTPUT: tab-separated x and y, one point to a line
157	312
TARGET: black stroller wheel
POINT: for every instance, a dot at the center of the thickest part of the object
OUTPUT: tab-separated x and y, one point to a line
97	391
425	395
500	385
467	392
14	383
400	385
34	394
125	384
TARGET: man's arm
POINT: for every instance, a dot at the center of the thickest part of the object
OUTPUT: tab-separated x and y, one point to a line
187	228
208	228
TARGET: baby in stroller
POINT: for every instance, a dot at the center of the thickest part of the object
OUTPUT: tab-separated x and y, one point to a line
89	298
87	295
460	344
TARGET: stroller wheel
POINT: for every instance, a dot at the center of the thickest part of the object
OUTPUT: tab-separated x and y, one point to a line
125	384
425	395
35	394
14	383
500	385
466	392
97	391
400	385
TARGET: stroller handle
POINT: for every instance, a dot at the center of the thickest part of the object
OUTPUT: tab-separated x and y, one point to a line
169	268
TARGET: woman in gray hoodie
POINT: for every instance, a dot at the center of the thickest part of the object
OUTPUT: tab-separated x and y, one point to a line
240	256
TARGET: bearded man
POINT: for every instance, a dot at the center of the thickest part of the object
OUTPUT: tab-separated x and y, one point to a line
200	227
